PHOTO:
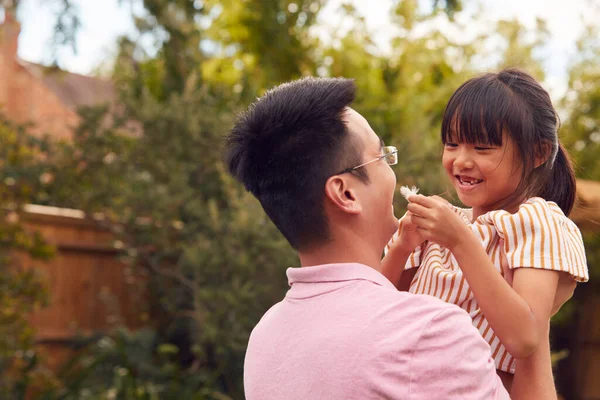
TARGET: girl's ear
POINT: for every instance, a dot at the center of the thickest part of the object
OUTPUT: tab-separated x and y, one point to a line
340	191
544	151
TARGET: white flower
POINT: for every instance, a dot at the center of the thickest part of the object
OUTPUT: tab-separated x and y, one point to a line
406	191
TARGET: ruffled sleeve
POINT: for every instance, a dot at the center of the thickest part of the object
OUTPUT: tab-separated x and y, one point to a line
539	235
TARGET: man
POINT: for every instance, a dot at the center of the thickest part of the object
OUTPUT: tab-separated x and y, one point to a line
343	331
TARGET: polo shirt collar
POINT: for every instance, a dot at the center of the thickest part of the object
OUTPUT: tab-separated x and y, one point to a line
329	273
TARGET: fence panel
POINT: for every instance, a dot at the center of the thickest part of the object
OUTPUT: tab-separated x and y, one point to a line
90	290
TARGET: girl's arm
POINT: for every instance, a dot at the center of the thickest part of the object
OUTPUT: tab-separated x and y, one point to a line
393	264
533	377
517	314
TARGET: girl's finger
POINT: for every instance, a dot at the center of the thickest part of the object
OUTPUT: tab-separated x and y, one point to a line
417	209
421	200
440	199
419	221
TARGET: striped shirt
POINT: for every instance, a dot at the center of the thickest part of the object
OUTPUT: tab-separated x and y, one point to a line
539	235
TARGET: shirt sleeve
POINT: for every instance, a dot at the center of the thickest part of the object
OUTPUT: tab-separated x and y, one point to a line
452	361
539	235
414	260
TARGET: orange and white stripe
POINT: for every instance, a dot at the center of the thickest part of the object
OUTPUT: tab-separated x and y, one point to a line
539	235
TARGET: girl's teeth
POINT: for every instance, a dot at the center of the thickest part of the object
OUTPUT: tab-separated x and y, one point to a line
473	182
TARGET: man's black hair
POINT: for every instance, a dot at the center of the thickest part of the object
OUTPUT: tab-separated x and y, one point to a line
285	147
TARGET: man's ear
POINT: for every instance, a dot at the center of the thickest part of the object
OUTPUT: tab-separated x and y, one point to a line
543	153
341	193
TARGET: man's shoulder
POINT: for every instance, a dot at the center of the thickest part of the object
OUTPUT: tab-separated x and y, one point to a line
385	312
420	307
419	337
402	319
271	312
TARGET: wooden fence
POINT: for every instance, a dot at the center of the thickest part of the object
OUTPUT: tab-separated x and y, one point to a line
584	363
90	290
585	360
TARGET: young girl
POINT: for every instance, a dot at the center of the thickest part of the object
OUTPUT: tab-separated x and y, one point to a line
513	258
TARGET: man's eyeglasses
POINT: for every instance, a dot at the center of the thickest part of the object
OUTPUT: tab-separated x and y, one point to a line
390	156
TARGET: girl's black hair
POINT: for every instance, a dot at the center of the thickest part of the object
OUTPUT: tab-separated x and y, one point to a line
513	102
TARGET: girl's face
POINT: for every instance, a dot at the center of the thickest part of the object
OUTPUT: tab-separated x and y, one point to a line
484	176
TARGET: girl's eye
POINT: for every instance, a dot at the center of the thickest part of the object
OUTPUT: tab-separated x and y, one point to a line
482	148
448	144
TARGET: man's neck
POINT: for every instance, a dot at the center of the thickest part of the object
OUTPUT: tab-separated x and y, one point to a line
341	252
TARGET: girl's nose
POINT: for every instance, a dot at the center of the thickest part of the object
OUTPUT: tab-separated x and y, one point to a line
463	160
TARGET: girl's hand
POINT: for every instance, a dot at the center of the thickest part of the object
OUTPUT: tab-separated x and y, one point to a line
436	221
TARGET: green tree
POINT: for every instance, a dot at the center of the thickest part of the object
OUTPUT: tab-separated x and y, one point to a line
582	127
521	45
22	289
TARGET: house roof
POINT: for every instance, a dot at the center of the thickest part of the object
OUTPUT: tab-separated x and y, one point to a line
74	90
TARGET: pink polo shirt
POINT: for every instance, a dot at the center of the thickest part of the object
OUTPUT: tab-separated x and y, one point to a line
344	332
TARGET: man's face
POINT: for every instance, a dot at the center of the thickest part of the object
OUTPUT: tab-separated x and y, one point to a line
376	197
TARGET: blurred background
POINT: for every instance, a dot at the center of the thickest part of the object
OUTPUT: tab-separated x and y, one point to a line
132	266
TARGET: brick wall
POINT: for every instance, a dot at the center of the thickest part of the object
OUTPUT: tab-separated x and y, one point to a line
23	96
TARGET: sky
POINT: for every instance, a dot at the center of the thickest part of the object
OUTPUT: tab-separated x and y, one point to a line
97	38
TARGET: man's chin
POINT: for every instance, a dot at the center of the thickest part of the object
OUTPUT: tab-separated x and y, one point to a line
393	226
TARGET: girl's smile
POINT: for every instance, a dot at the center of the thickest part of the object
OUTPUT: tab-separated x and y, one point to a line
467	182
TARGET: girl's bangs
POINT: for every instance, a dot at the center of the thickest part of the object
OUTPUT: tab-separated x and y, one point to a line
479	111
